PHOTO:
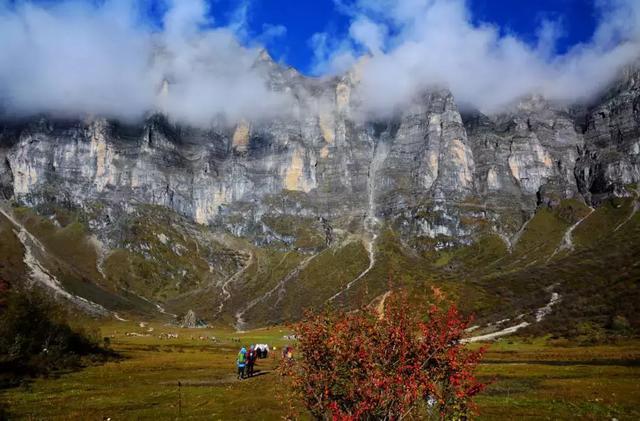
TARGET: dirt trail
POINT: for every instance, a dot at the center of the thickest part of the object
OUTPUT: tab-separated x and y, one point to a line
158	307
540	314
372	261
380	306
567	238
226	294
514	240
101	254
240	322
634	210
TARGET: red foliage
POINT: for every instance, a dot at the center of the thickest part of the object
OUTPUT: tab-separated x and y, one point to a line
361	366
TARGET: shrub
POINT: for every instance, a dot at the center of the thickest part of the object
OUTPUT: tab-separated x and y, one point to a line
35	339
589	333
365	365
620	323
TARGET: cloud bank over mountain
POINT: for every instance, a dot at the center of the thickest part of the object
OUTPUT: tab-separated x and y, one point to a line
415	44
81	58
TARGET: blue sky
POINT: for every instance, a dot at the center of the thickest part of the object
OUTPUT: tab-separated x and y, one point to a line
304	18
301	18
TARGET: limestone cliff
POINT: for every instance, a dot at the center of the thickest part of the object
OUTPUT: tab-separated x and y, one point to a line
436	168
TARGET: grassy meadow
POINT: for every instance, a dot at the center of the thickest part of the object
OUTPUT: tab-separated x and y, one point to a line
532	379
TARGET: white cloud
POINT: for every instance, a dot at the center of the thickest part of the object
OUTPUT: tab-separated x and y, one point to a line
368	34
330	55
75	58
271	32
435	42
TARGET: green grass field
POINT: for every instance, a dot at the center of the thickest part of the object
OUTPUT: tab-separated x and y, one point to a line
535	380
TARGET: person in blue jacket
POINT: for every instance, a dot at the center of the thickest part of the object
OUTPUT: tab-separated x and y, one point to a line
241	361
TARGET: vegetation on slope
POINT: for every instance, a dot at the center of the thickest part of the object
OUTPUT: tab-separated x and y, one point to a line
36	339
168	259
12	269
162	255
597	279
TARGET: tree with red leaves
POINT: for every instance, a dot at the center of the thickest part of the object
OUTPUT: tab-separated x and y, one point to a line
390	366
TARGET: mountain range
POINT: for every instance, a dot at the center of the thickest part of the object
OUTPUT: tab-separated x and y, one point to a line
527	218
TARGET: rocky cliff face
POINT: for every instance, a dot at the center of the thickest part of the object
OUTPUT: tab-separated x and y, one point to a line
610	158
427	171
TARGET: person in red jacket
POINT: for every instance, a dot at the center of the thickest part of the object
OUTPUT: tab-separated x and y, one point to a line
252	356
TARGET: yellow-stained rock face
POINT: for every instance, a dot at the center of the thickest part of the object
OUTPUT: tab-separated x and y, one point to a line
433	161
324	152
542	155
432	173
294	178
461	156
25	176
343	89
327	129
531	166
207	204
241	137
343	95
514	166
102	153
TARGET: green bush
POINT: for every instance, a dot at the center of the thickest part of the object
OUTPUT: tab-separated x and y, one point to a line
620	324
35	339
590	333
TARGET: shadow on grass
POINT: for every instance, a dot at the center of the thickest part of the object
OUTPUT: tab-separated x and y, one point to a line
258	373
228	379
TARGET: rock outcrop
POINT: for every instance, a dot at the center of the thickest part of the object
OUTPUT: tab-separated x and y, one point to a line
610	160
190	320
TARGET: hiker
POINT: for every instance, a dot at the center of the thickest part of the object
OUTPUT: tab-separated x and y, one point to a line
251	360
241	362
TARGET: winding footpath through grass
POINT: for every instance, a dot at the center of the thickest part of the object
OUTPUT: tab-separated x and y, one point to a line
226	294
240	322
567	238
634	210
540	314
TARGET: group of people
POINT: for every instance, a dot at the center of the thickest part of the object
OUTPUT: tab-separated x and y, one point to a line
246	359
